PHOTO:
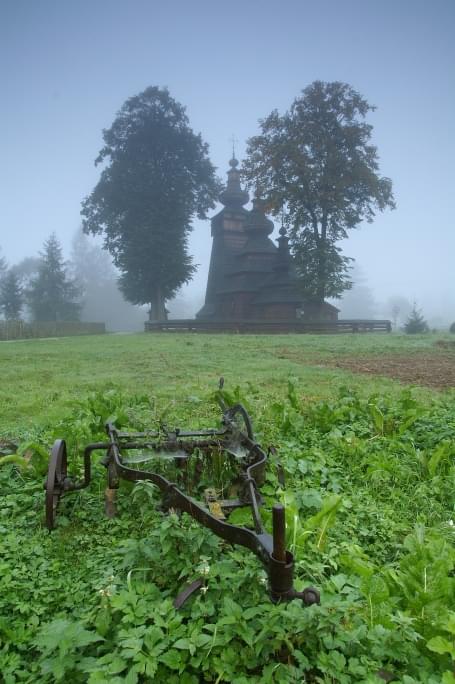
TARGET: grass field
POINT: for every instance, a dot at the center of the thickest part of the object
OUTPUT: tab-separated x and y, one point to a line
364	426
40	378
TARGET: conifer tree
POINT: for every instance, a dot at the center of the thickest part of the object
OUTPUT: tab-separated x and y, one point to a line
3	267
416	322
11	296
53	296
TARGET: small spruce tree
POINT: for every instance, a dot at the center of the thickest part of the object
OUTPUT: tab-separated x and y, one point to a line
52	295
452	328
3	267
11	296
416	322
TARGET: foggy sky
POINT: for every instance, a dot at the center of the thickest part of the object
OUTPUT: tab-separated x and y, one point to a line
67	67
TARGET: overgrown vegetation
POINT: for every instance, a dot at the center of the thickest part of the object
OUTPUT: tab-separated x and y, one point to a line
370	505
362	471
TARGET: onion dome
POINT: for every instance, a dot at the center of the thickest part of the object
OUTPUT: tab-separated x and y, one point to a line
258	224
233	196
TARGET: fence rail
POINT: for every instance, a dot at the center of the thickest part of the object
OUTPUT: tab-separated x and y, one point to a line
19	330
255	326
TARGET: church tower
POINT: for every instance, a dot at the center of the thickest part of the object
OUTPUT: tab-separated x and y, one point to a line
252	267
229	239
250	277
280	297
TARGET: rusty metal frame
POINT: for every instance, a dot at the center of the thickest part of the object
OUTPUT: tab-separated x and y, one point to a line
269	548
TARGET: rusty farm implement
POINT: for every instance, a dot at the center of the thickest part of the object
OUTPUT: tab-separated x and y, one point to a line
177	460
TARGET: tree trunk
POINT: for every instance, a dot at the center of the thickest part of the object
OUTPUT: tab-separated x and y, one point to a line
322	260
158	311
321	273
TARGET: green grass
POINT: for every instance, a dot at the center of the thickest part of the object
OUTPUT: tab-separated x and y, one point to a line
370	504
40	378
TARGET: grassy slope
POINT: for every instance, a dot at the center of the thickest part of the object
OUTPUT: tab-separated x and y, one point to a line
40	378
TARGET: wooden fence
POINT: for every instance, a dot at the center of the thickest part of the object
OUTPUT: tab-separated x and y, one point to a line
19	330
270	327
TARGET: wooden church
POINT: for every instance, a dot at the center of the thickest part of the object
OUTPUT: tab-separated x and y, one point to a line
250	277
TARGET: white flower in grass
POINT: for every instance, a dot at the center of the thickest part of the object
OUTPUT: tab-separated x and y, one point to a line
263	579
204	567
105	592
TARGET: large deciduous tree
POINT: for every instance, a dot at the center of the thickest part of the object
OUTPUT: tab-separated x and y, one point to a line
52	295
316	165
157	178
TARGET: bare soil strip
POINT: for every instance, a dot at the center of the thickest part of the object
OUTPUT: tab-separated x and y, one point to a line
437	372
429	370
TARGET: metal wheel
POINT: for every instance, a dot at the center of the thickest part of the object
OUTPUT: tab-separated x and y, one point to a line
56	476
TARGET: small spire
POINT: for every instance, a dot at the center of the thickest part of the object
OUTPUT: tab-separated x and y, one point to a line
233	195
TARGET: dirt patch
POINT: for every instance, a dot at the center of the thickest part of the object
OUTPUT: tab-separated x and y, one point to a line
445	344
437	372
429	370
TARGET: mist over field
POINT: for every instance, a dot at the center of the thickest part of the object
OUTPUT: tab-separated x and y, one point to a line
67	68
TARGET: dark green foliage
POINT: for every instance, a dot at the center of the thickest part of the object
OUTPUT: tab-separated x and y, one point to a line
312	262
416	322
52	295
11	296
317	164
369	500
158	176
452	328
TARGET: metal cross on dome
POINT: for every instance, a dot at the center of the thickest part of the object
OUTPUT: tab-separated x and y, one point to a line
233	140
